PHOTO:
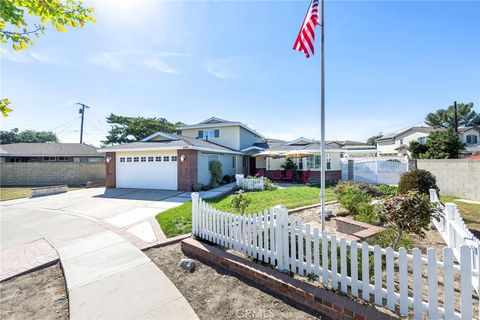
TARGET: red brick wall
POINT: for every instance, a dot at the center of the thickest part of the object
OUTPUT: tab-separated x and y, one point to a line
319	301
110	179
187	170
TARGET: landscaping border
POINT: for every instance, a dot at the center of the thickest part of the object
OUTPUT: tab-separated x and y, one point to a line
320	301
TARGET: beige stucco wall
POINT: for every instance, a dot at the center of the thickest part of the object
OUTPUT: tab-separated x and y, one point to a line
225	159
463	136
229	136
49	173
455	177
388	147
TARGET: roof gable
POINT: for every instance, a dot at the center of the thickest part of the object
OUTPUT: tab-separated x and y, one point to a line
160	136
213	120
300	140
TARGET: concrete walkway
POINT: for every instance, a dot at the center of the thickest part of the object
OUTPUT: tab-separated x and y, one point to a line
107	276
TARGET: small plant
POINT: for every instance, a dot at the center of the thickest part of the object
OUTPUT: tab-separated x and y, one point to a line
312	277
367	213
240	202
269	185
407	213
351	198
215	168
289	164
387	190
227	179
197	187
420	180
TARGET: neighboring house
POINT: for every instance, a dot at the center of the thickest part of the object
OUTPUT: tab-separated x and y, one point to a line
396	144
354	149
34	164
272	158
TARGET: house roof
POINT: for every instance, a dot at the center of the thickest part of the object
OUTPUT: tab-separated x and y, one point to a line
171	142
47	149
217	122
465	129
343	143
393	135
314	146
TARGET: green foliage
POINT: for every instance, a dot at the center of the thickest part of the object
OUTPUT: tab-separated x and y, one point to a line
196	187
417	149
128	129
410	213
387	190
366	213
240	202
419	180
312	277
30	136
4	107
444	118
269	185
19	29
366	188
444	145
373	140
352	199
386	238
215	168
289	164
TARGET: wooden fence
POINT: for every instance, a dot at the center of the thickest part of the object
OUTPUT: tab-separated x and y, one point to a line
402	282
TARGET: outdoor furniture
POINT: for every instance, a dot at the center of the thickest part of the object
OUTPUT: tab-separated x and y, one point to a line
306	176
261	173
288	175
277	175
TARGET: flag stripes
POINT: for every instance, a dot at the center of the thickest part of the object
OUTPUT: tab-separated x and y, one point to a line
306	37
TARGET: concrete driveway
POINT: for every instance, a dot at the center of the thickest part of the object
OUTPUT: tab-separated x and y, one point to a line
107	275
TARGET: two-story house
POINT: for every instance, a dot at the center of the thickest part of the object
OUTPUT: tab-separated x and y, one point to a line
177	161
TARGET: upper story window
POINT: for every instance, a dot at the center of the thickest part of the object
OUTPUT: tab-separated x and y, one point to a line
209	133
422	139
472	139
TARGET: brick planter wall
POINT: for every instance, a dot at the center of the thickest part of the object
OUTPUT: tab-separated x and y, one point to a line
319	301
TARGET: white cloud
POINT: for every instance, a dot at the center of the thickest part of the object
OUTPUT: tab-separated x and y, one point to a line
29	56
159	65
223	68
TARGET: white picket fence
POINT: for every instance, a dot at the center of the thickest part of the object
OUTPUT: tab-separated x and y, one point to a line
455	233
400	282
376	171
250	183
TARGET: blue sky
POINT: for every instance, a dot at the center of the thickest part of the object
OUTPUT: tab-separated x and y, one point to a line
387	65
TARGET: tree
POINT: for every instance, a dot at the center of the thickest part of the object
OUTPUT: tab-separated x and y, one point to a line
443	145
19	29
445	118
29	136
128	129
373	140
417	149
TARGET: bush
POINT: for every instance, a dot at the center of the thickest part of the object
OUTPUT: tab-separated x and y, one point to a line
420	180
366	188
269	185
197	187
227	179
215	168
351	198
240	202
367	213
386	190
407	213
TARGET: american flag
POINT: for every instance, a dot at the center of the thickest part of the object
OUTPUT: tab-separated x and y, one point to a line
306	37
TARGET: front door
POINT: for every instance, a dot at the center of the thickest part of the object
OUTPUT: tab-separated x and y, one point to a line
252	166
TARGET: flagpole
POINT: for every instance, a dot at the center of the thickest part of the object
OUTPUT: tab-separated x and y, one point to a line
322	115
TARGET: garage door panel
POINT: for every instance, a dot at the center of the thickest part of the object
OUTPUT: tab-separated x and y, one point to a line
147	175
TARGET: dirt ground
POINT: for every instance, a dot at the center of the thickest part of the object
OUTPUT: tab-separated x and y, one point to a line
37	295
215	294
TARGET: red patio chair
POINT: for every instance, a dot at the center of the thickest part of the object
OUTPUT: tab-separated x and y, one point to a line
261	173
277	175
306	176
288	175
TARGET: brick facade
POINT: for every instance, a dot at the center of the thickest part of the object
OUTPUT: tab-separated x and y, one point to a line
319	301
111	178
50	173
187	169
330	175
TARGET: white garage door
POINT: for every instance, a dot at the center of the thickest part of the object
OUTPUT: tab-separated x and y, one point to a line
147	172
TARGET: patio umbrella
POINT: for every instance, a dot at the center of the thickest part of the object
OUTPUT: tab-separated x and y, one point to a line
271	154
298	154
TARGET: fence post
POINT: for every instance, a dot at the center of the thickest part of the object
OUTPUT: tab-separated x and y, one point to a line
279	235
450	216
350	170
433	195
195	197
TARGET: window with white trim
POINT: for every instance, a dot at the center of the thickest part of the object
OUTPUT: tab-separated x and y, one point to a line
158	159
129	159
472	139
174	158
150	159
166	158
422	139
209	133
122	159
143	159
49	159
135	159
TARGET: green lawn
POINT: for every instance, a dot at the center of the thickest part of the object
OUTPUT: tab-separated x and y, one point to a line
470	213
10	193
179	220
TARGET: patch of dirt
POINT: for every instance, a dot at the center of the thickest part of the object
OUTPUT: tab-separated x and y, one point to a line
216	294
37	295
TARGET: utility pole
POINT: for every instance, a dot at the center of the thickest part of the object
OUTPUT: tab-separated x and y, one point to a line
455	116
82	111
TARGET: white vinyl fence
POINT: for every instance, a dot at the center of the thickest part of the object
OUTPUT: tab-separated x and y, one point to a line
250	183
455	233
394	279
375	170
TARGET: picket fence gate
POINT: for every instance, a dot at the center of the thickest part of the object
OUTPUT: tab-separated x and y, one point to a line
456	234
375	171
250	183
399	278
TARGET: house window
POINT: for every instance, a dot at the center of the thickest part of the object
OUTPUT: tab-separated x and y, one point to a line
143	159
158	158
166	158
471	139
135	159
233	161
313	162
329	163
122	159
210	133
174	158
150	159
200	134
62	159
422	139
48	158
129	159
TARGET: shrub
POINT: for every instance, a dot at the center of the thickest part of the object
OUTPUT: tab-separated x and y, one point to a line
240	202
269	185
367	213
351	198
215	168
227	179
366	188
386	190
407	213
197	187
289	164
420	180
